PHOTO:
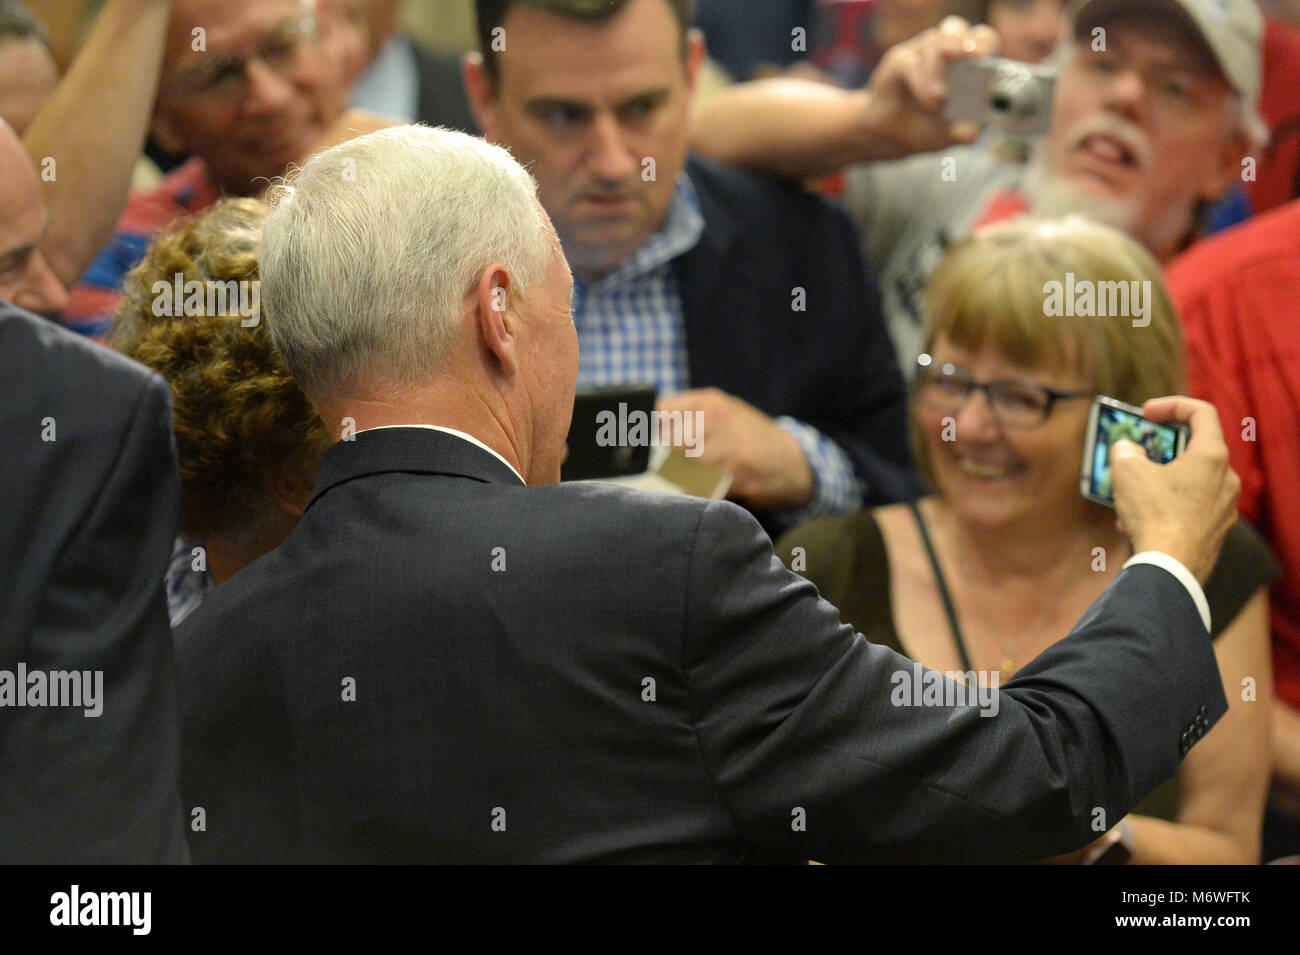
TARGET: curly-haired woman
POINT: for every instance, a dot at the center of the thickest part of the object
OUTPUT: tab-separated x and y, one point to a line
247	438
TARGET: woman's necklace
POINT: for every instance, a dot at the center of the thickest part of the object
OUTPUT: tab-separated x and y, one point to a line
1011	650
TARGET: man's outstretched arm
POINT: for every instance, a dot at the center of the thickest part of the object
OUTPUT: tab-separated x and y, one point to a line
85	140
824	745
801	129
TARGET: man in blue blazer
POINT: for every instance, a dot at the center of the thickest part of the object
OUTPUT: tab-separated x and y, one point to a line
741	299
455	658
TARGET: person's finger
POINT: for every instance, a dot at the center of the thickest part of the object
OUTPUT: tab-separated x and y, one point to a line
1124	449
917	81
1200	415
932	61
983	40
955	40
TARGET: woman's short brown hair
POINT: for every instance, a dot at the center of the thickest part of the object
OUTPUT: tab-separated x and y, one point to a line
241	421
993	290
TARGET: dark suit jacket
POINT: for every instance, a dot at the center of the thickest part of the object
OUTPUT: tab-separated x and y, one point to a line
581	672
90	519
833	365
442	99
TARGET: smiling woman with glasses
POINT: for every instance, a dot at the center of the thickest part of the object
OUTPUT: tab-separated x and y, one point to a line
1005	555
1014	404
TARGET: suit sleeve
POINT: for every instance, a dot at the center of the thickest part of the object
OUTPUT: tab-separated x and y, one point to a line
104	788
816	749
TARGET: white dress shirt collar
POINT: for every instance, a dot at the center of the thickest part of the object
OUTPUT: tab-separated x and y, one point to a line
460	434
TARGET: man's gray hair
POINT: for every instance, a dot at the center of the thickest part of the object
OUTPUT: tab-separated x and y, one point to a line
373	245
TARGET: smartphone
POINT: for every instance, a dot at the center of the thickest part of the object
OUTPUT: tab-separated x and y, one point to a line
1110	421
610	435
1012	96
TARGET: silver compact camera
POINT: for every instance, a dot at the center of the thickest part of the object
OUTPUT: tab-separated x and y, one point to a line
1009	95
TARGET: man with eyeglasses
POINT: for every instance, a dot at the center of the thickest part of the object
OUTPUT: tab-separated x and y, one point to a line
247	88
1154	110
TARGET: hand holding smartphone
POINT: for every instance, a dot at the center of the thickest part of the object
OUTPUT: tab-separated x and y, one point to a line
1110	421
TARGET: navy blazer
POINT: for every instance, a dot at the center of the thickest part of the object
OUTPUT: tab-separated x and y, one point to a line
88	468
833	365
442	665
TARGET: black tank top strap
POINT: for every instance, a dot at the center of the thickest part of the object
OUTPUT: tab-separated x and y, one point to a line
946	597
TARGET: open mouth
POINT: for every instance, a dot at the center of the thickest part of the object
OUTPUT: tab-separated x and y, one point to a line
984	472
1110	150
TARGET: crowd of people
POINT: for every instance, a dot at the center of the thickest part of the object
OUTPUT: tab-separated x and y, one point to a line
294	314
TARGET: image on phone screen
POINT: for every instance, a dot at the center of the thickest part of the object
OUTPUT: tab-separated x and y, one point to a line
1111	421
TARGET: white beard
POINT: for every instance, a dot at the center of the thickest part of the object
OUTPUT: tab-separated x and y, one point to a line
1052	197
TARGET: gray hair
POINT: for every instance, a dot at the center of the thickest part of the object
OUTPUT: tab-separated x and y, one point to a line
374	243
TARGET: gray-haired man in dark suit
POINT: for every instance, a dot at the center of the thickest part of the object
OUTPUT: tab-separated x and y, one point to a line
454	658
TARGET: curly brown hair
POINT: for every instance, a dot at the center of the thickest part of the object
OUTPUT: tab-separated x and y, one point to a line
241	421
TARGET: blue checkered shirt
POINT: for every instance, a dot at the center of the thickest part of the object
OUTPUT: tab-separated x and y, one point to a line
185	586
631	330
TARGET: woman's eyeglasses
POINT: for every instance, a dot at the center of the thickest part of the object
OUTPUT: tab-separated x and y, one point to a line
1016	404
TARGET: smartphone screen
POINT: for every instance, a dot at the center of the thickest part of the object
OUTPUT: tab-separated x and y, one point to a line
1111	421
610	434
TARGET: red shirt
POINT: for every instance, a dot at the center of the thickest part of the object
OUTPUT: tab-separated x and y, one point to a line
1279	104
1239	293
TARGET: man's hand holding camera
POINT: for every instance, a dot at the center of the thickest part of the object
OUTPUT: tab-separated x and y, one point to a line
1184	508
907	92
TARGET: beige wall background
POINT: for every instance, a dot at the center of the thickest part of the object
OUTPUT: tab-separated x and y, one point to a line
443	25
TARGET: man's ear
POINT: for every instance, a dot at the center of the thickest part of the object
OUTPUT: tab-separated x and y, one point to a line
165	133
482	94
696	54
497	326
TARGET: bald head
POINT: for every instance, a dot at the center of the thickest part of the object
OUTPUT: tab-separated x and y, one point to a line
25	278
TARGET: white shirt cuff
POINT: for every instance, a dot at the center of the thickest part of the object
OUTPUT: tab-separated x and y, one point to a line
1181	573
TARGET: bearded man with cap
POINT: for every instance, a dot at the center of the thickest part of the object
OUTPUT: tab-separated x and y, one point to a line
1154	110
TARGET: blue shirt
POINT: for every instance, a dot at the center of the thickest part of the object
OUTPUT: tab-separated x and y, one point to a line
390	85
185	586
